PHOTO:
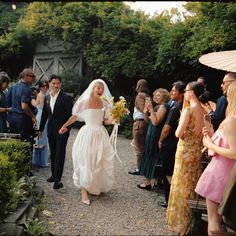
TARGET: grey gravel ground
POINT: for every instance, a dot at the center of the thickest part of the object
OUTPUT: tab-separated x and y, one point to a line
126	210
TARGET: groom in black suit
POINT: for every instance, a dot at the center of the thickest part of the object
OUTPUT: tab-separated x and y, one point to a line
57	109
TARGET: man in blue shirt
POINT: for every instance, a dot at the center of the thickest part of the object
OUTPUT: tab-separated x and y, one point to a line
22	117
221	104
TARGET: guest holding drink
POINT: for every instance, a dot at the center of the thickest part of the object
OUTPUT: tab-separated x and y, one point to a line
221	146
156	117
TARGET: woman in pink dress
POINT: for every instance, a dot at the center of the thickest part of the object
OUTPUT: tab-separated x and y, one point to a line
221	146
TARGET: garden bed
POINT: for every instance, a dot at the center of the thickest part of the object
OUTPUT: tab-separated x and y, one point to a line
19	192
16	222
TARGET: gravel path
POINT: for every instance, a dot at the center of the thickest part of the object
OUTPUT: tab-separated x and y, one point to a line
126	210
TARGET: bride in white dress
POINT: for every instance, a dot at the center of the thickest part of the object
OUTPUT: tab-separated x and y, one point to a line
92	152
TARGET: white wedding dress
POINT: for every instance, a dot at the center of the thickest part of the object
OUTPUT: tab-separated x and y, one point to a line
93	155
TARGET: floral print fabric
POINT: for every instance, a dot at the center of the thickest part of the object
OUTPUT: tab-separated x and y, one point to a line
187	171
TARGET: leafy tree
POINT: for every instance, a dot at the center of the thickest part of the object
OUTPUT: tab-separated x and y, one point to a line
10	17
213	29
12	41
120	44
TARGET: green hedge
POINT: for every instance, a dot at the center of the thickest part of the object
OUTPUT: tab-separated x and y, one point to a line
18	153
15	159
7	180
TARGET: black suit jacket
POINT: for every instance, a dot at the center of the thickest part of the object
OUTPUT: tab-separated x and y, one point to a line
61	113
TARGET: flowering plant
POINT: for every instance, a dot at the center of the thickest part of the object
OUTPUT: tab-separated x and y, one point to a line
118	109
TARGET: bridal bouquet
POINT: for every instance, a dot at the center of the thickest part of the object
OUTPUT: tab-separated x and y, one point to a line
118	110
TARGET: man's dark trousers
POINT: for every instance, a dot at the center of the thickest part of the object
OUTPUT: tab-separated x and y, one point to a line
57	145
22	124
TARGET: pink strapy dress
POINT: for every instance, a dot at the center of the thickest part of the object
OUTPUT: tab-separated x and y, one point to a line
213	180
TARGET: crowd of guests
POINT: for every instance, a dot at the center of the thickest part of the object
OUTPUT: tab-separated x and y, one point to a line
177	125
36	114
20	108
169	132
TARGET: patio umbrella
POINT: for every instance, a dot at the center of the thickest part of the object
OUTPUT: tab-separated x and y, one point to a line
224	60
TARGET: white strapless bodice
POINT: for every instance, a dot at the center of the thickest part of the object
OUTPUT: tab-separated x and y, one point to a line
94	117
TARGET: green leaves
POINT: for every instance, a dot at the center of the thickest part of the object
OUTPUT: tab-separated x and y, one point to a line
14	163
35	227
119	43
18	153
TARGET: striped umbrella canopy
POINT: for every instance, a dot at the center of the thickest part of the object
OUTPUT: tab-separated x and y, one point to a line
224	60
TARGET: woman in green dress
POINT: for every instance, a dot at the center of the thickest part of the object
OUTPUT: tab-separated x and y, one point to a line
156	116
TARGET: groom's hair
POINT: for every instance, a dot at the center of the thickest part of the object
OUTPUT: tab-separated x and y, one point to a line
53	76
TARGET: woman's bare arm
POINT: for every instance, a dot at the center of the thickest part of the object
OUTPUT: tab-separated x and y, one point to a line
158	116
183	122
70	121
229	132
38	101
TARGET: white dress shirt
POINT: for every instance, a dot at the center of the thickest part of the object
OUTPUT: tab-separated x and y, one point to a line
137	115
53	100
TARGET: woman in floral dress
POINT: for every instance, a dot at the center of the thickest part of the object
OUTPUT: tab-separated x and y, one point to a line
187	168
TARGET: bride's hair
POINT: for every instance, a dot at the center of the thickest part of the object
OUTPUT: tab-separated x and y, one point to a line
95	85
82	102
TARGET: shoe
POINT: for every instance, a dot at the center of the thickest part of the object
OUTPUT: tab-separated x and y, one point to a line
134	172
158	186
58	185
143	186
132	144
50	179
87	202
162	204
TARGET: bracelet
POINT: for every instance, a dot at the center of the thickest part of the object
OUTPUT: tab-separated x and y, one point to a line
5	109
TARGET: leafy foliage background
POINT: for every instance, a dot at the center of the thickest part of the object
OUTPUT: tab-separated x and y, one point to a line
119	44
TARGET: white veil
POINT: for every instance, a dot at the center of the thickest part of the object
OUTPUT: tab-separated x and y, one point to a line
82	102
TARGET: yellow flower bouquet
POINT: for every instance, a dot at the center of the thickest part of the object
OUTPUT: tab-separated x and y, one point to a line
118	110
